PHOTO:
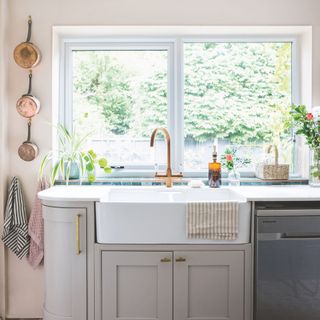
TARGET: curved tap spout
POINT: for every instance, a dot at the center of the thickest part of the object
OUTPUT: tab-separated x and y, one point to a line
168	140
168	177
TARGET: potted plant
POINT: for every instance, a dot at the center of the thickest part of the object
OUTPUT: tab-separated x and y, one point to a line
232	161
70	161
91	160
309	126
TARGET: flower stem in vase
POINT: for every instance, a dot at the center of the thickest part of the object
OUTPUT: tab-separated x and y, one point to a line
314	176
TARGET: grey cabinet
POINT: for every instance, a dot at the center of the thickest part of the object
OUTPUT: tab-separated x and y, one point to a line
179	285
85	280
136	285
65	263
209	285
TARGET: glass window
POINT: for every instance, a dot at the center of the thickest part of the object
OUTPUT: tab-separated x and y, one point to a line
120	96
236	94
232	94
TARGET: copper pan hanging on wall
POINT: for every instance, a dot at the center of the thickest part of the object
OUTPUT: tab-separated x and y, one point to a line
28	151
26	54
28	105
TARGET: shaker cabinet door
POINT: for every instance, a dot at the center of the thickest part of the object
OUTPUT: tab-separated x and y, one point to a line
209	285
65	263
136	285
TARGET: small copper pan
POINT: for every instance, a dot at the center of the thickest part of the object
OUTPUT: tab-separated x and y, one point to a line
28	151
28	105
26	54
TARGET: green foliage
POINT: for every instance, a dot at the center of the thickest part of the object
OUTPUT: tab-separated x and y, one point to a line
104	84
91	160
152	102
70	155
306	125
234	91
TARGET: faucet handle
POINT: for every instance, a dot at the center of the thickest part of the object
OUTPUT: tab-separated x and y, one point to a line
164	175
177	175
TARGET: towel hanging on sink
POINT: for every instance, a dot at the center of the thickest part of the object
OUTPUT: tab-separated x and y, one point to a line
15	229
213	220
36	227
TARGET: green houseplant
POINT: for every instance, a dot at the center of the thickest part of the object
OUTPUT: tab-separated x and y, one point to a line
70	160
309	126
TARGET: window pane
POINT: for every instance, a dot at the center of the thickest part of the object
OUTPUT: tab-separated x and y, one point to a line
121	96
236	94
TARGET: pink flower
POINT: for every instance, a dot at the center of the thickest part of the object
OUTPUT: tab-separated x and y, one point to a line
309	116
229	157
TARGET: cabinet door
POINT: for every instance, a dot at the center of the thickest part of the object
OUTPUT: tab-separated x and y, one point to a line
209	285
65	263
136	285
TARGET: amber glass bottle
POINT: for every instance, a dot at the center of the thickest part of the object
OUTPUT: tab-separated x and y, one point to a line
214	168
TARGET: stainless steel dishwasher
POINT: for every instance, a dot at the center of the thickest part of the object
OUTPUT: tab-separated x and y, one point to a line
287	262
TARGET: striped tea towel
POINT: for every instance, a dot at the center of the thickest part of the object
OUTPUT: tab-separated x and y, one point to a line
36	227
15	229
212	220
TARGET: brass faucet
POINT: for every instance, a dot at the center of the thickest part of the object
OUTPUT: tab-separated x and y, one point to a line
168	177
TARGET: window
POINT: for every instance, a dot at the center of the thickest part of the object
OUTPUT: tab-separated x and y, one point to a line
228	93
236	94
120	96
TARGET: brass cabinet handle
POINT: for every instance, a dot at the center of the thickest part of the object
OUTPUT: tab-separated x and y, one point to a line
78	251
180	259
166	259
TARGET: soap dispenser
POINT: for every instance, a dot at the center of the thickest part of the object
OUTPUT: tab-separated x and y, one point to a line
214	175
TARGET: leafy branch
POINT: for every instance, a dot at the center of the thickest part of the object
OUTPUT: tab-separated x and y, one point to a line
306	125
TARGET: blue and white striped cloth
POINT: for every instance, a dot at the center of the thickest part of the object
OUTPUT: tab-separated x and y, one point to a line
15	229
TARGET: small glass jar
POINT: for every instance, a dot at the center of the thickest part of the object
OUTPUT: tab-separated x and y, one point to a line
314	168
234	178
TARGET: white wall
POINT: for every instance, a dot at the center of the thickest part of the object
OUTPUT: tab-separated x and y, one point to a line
25	285
3	135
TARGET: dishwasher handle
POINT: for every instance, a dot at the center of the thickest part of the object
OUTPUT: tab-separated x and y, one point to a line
298	236
278	236
287	212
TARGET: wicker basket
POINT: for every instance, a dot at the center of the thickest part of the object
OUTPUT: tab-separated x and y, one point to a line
274	171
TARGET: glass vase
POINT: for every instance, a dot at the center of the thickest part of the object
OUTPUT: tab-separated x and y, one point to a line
74	171
314	169
234	178
91	175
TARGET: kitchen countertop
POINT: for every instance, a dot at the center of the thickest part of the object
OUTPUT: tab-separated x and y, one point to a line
279	193
250	193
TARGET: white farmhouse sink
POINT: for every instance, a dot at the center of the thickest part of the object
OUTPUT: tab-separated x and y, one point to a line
158	215
163	195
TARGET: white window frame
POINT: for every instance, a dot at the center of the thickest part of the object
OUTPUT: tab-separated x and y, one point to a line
174	44
66	111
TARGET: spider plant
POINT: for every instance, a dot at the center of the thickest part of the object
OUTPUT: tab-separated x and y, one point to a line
69	154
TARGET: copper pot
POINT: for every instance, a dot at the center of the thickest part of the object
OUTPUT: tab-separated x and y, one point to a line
26	54
28	151
28	105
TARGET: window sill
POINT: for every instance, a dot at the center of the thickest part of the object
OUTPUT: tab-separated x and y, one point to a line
146	181
187	175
